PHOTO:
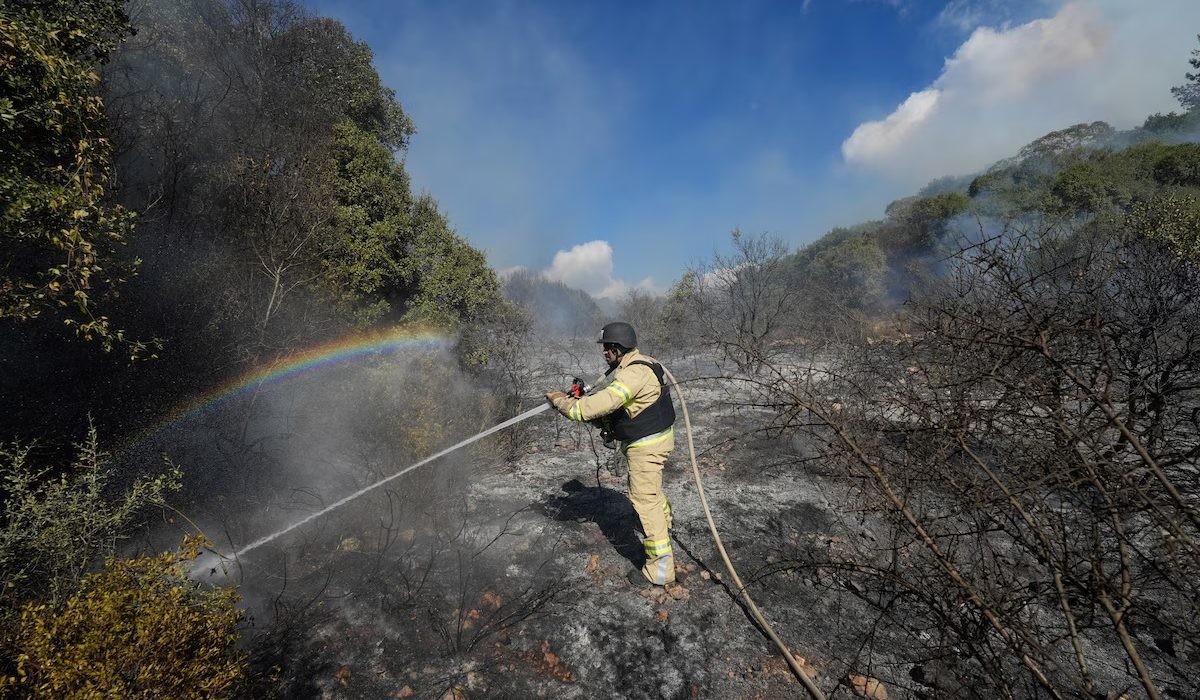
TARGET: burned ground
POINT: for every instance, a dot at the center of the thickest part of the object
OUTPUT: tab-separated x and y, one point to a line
499	571
492	575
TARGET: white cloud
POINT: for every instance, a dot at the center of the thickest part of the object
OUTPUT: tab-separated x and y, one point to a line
589	266
1002	88
874	140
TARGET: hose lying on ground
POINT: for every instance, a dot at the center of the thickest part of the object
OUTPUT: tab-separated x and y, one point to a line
797	669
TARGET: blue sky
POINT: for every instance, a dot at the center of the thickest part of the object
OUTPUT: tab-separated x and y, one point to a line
610	144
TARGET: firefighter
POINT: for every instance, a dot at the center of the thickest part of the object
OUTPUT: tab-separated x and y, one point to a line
634	408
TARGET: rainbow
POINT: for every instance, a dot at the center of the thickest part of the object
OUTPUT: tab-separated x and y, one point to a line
335	352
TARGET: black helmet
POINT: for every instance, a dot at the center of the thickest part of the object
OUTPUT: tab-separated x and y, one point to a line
620	333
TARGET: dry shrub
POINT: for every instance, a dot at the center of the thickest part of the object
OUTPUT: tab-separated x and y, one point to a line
1028	451
137	629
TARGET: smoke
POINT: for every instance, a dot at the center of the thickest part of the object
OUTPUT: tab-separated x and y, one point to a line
276	454
1092	60
418	574
554	307
252	463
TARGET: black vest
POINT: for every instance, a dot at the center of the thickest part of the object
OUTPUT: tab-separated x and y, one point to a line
656	417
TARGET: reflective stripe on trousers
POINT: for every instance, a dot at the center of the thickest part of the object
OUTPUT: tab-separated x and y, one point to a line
646	459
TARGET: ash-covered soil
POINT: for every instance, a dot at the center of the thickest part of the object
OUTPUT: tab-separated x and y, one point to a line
501	574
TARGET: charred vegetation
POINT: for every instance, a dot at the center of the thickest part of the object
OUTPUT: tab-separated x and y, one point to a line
955	450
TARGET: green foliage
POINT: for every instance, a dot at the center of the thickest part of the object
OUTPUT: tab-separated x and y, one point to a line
1188	94
853	272
939	207
1018	184
338	71
284	188
452	279
948	183
371	222
138	629
834	238
915	225
1115	181
1150	189
53	527
59	236
1094	182
1171	122
1172	218
1179	166
1086	187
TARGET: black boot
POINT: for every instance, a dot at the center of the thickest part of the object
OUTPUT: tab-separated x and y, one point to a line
638	580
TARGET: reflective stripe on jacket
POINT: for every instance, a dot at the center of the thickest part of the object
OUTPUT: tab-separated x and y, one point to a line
633	387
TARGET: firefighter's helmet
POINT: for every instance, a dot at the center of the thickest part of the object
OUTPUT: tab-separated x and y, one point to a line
619	333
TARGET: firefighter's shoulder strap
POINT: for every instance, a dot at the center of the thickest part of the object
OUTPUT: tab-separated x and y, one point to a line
654	367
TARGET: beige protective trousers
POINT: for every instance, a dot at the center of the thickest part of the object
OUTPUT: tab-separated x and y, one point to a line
653	509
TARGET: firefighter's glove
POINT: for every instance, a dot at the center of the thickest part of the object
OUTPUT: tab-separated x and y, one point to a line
552	396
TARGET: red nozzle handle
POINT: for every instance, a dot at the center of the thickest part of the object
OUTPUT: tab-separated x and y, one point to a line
577	388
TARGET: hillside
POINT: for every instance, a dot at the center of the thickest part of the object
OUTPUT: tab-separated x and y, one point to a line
954	452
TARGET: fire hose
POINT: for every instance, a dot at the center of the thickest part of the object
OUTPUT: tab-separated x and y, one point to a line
743	593
578	389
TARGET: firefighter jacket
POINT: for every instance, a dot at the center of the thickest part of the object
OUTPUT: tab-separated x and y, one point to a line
636	401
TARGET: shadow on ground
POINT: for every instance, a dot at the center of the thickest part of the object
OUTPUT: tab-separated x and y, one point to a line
610	510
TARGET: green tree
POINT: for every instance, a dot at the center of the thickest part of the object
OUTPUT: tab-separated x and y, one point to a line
1179	165
58	236
916	224
275	172
372	224
453	283
1188	94
852	274
1171	122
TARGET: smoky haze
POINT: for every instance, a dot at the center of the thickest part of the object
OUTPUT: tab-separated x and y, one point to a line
554	308
276	453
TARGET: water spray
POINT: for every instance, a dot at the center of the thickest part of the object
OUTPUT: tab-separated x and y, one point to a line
367	489
578	389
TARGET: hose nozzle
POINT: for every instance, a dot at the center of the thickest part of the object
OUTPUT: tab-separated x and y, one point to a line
578	388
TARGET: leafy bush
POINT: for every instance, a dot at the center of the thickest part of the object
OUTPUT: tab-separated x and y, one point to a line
60	236
137	629
52	529
1171	218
